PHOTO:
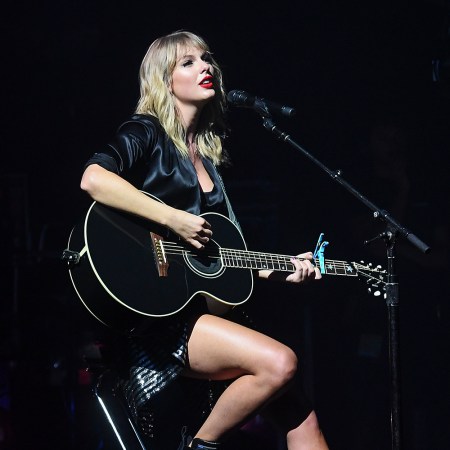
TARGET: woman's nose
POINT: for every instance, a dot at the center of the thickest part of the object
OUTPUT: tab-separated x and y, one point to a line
206	66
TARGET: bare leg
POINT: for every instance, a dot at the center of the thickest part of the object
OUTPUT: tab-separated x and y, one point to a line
261	366
307	436
292	413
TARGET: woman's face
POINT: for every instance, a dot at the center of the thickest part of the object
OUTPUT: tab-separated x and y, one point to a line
193	77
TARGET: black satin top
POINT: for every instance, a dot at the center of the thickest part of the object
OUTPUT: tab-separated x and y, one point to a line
142	153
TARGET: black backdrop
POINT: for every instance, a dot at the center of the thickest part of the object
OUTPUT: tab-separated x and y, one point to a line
367	100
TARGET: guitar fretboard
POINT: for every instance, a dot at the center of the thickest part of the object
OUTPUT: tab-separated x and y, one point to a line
243	259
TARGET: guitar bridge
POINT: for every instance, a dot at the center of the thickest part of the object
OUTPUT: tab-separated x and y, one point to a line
160	256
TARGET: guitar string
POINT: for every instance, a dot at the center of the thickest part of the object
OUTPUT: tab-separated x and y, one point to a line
249	257
239	254
242	254
229	256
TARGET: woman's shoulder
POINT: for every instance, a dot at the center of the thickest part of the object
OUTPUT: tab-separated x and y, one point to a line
146	121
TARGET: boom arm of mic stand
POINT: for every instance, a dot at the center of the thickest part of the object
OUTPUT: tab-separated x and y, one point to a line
336	175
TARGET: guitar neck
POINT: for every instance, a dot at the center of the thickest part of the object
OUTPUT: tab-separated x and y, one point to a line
244	259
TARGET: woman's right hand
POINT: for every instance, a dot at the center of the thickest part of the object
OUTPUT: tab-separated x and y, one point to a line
195	230
110	189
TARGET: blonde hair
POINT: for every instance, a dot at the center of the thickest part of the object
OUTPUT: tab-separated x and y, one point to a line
156	99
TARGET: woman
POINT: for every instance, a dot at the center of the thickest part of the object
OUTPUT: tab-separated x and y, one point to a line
170	148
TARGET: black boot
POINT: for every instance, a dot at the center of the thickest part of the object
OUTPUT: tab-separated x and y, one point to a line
200	444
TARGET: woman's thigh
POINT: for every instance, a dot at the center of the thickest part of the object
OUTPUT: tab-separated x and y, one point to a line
219	349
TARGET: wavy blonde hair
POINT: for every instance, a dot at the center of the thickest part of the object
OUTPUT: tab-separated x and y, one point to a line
156	98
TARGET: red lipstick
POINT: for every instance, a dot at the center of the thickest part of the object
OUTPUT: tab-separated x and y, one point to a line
207	82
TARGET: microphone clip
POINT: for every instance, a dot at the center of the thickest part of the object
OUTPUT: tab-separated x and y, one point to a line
260	106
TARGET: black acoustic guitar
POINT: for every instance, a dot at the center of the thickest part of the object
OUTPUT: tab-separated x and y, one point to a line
126	269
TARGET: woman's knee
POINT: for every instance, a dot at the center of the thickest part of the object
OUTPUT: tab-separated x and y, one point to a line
282	366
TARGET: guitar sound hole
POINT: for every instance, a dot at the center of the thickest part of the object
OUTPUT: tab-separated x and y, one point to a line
205	262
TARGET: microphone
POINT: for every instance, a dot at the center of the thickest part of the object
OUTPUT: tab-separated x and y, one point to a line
262	106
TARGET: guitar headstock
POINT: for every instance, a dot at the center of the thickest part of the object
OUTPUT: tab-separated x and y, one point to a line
375	277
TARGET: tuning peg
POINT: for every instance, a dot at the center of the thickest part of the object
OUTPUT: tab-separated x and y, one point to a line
376	293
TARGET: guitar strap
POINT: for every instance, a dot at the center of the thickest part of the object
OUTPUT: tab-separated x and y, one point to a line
231	214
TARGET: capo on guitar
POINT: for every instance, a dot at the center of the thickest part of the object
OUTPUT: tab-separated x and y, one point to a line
319	252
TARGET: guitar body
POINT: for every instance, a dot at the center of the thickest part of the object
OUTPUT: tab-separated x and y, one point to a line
127	270
117	276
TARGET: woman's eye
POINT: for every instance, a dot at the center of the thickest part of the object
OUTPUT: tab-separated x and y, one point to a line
186	63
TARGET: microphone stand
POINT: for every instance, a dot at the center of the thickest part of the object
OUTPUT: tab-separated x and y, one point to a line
393	230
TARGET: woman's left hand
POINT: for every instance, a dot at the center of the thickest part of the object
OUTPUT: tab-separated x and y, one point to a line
304	269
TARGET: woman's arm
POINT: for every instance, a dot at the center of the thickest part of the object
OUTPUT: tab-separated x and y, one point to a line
110	189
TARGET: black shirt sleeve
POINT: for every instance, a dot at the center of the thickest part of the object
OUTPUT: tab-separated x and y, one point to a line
128	147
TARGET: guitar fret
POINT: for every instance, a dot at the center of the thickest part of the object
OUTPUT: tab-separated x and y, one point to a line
247	261
260	261
330	267
234	259
338	268
267	261
284	266
223	257
254	260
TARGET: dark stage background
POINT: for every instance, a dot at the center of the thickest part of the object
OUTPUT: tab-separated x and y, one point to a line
370	82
